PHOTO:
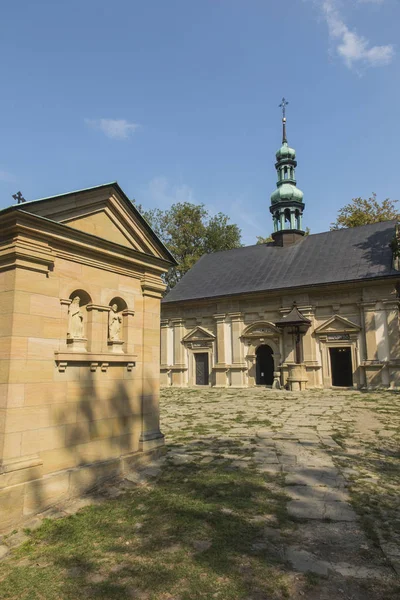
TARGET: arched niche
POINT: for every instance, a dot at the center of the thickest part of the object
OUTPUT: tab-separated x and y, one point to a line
77	317
84	297
116	329
120	302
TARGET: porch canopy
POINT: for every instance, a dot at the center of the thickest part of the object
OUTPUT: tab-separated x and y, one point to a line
293	319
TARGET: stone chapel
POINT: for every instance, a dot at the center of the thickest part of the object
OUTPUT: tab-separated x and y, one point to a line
302	311
80	292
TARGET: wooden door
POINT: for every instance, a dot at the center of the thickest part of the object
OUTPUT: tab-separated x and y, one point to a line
201	361
341	366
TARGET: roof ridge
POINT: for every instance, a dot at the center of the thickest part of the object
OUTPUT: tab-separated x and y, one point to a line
351	228
88	189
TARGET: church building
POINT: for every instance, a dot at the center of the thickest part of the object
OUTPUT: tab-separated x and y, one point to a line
302	311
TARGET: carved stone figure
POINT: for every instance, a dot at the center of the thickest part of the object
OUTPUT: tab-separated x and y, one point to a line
75	325
114	324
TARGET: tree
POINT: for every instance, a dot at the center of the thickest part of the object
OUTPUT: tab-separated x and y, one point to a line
267	240
264	240
361	211
189	231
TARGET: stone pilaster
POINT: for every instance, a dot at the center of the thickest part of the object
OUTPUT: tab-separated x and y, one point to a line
128	330
151	436
178	328
393	329
393	335
237	345
220	368
220	322
369	330
371	364
239	367
97	327
164	342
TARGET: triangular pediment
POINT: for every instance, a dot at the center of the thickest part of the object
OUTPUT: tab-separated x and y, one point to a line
105	212
199	334
260	329
337	324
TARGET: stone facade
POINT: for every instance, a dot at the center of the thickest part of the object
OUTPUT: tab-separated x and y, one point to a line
354	328
80	292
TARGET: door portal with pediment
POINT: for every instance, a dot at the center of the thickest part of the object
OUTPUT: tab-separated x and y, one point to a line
263	357
264	365
339	342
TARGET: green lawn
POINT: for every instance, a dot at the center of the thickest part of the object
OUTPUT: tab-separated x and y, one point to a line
193	534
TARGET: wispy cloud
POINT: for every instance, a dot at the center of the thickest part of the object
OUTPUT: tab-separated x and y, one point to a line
354	49
6	176
116	129
160	193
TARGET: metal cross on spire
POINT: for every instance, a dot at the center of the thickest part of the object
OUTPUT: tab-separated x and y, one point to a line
283	106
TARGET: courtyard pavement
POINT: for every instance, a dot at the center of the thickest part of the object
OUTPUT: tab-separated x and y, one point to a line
334	454
259	495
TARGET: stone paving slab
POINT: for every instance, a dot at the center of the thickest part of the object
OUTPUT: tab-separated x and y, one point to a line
320	510
298	450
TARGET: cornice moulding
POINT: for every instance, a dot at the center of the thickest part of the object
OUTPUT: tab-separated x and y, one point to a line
77	245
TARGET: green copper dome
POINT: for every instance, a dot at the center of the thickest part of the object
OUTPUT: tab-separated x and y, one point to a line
285	152
287	191
287	200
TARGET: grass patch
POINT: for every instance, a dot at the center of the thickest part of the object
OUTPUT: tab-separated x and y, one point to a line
145	544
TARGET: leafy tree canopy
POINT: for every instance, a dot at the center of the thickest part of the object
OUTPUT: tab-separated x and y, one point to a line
267	240
189	231
361	211
264	240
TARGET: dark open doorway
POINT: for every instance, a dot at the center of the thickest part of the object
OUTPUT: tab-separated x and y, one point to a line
201	361
264	366
341	366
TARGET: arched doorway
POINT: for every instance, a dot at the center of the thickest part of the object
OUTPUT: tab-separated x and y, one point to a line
264	365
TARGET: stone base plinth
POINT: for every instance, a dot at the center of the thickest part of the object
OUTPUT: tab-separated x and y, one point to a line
24	492
297	379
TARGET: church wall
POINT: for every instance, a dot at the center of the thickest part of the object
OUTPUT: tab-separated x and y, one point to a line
74	410
372	335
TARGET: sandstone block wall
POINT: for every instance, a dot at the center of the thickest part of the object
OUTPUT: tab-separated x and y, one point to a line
75	409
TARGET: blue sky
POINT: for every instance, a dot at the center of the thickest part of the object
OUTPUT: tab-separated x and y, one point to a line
178	100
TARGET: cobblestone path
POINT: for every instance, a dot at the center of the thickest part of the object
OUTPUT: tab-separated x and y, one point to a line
334	455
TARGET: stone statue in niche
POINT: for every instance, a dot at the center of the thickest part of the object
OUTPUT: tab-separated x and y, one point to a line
114	324
75	325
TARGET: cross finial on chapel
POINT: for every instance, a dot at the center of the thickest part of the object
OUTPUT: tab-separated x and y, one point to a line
19	197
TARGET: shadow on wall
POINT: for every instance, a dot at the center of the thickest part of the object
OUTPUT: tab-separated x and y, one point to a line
100	440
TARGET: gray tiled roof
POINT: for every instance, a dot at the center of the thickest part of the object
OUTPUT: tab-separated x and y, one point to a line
335	256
